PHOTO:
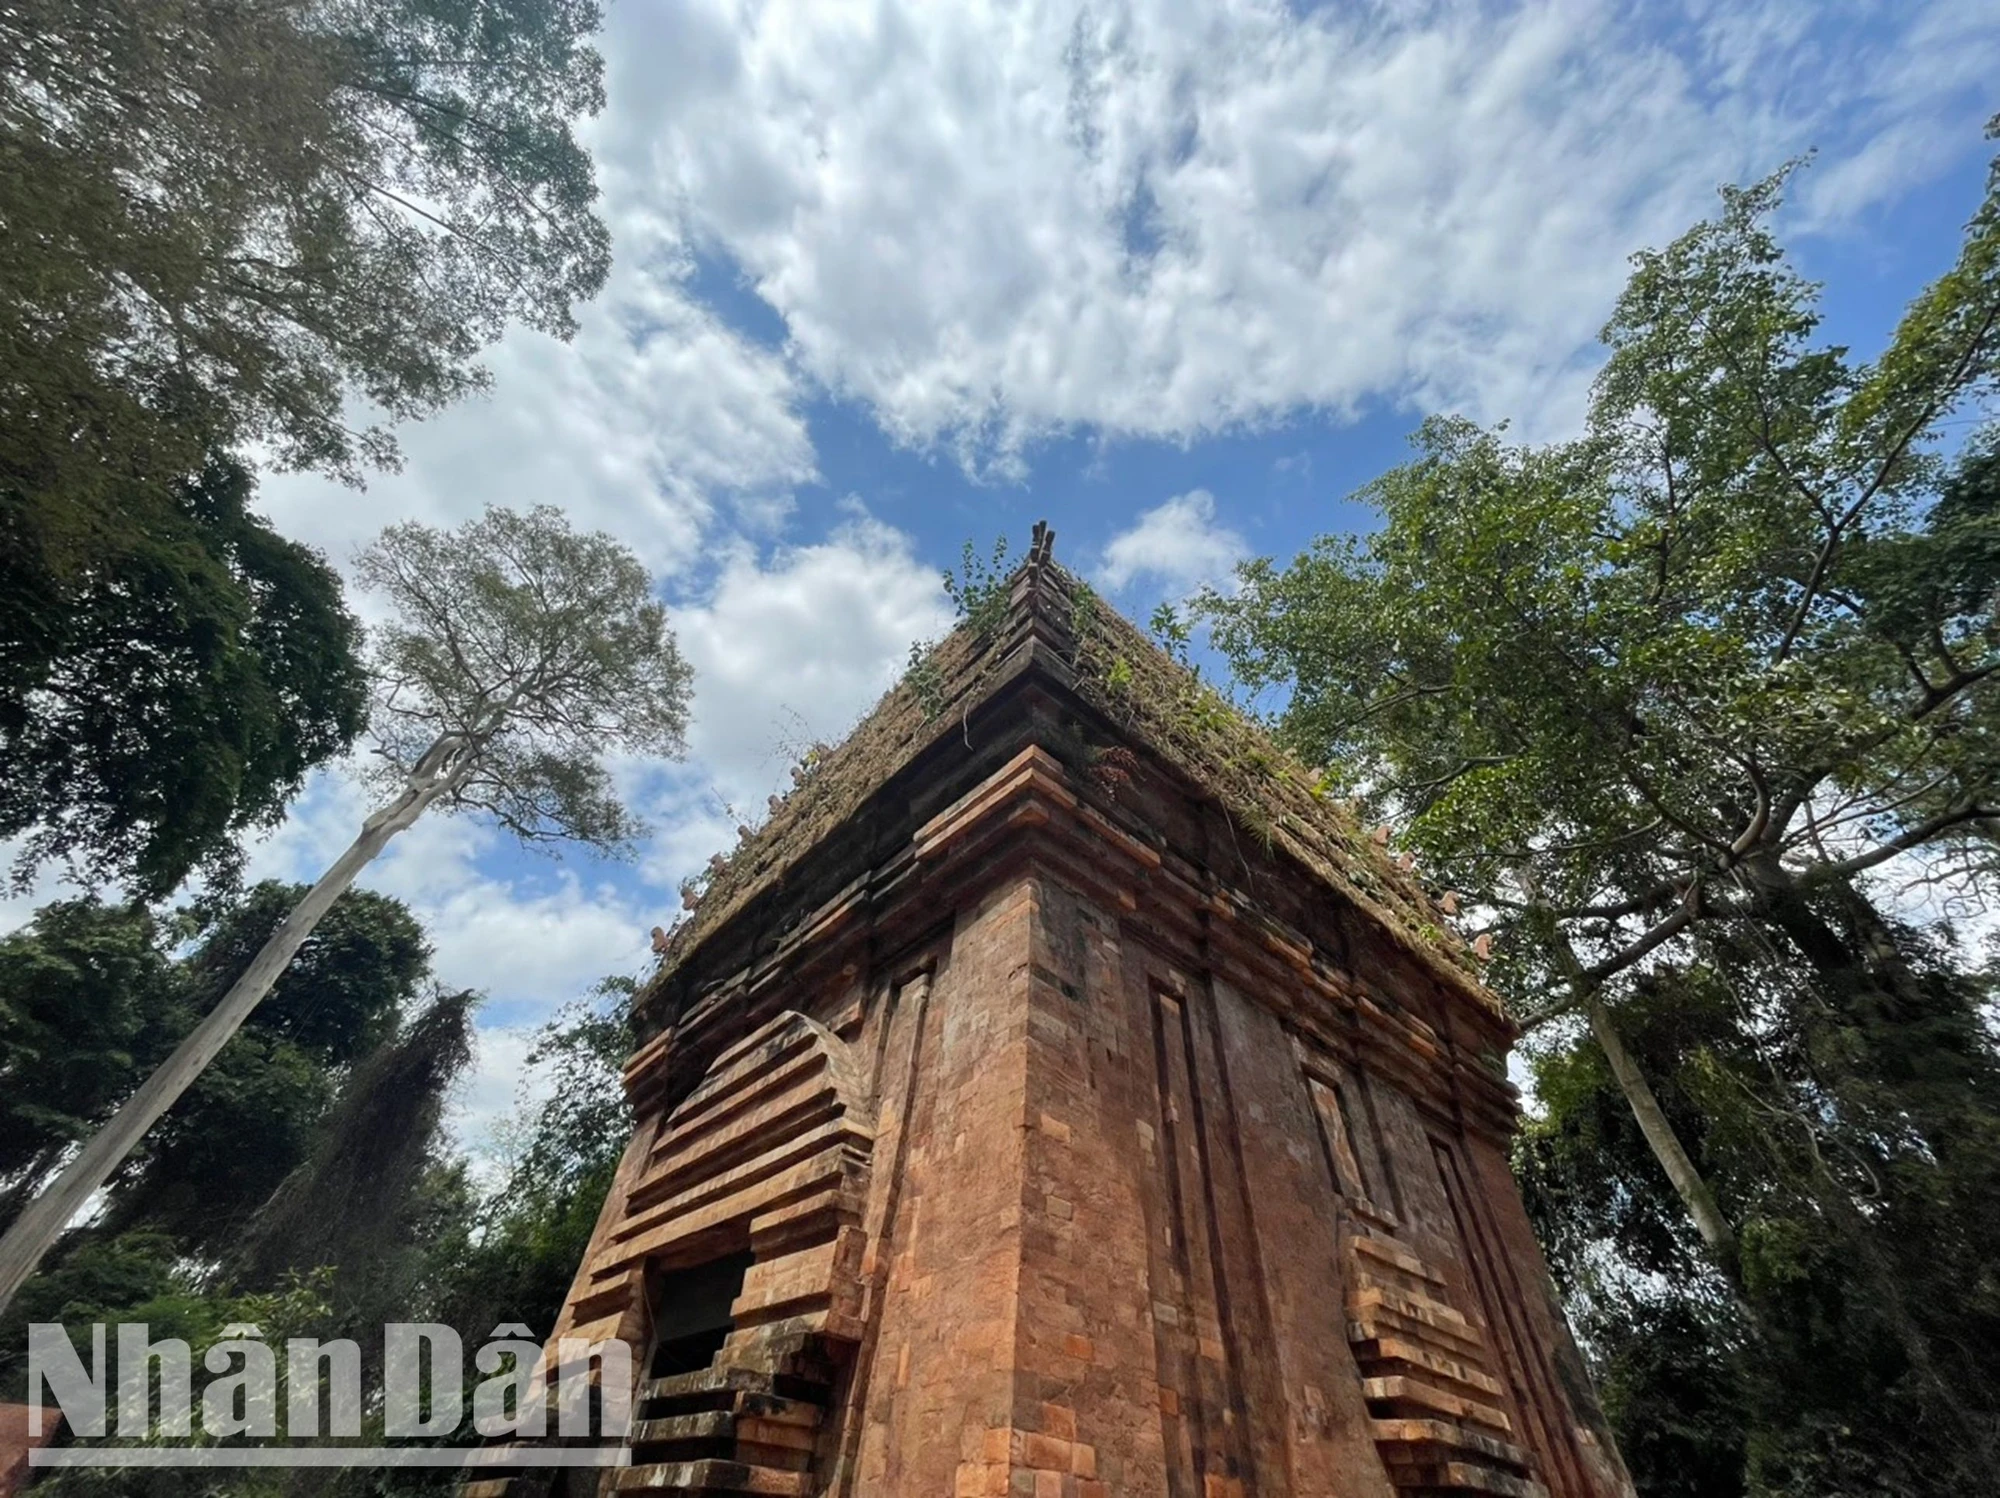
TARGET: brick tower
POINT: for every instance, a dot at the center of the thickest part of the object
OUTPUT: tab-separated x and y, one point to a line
1058	1098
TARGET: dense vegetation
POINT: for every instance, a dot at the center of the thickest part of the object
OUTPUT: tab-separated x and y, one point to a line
243	234
355	1207
235	228
1699	711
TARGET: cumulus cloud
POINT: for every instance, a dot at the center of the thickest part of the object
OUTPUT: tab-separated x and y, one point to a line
656	422
988	223
1178	545
793	648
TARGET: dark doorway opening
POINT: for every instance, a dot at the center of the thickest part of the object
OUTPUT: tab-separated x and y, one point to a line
691	1315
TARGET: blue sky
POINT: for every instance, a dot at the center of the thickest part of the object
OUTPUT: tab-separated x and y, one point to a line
1177	277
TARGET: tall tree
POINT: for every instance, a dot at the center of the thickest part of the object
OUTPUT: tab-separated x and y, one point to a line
1664	700
193	1236
523	654
237	225
88	996
1868	1201
340	1000
1692	667
93	997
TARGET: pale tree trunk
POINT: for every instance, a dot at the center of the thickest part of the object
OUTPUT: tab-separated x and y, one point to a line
35	1231
1659	1132
1654	1125
26	1180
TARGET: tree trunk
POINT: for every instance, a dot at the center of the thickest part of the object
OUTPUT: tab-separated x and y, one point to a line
1654	1125
35	1231
1665	1143
26	1180
1865	958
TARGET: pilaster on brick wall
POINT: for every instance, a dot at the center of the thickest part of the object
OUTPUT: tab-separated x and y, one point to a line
1084	1115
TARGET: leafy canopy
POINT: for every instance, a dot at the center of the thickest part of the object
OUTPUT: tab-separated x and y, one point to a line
226	218
1696	660
168	694
357	1203
1859	1147
535	651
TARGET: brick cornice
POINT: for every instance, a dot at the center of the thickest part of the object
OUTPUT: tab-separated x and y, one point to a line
1032	815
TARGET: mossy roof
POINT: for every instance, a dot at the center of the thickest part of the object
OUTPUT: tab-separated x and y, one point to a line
1129	680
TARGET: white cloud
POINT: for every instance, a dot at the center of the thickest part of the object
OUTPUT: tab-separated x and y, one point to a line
1177	544
794	648
657	420
993	222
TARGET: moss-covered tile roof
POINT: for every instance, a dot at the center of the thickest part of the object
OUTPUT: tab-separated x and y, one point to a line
1129	680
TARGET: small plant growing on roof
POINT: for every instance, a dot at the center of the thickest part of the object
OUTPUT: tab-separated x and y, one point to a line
978	590
926	678
1176	637
1083	612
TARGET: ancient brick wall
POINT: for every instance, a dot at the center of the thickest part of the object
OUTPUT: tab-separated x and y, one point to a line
1198	1267
1062	1157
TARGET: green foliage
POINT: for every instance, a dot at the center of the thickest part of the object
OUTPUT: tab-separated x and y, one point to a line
143	1276
1708	655
516	1262
341	992
337	1002
171	672
1657	699
979	593
304	1185
978	590
1699	646
226	219
925	678
230	225
538	650
1860	1148
172	1304
88	995
1086	609
1675	1396
1175	635
93	996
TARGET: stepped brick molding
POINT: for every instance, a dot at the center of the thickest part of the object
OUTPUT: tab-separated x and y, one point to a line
1057	1099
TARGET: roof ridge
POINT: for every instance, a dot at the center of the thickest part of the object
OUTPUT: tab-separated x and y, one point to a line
1054	619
